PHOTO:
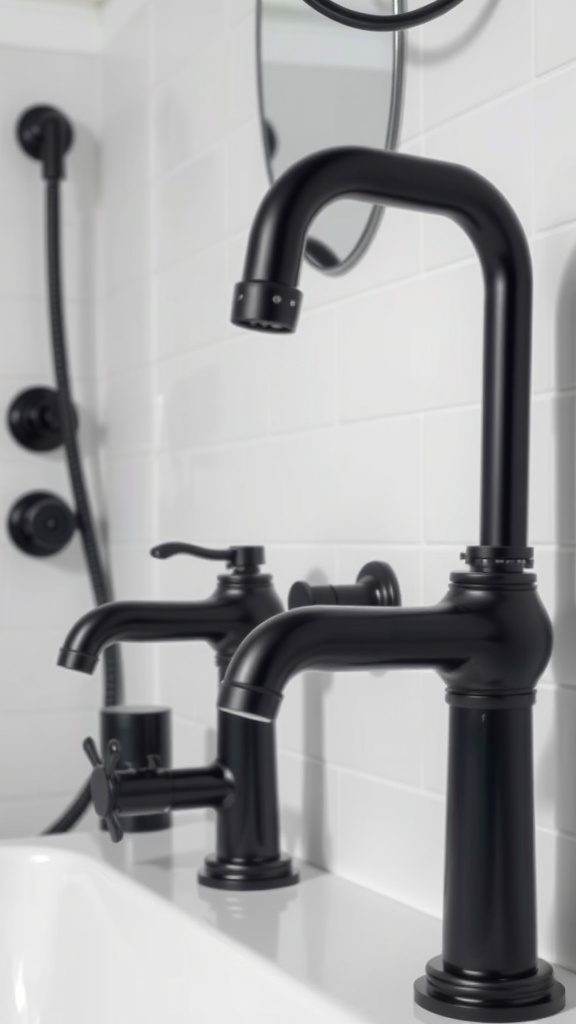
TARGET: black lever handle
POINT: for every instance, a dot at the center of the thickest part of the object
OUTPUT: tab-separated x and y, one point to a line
178	548
376	584
246	558
103	784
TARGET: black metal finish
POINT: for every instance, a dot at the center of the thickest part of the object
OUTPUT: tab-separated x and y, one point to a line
272	268
489	639
376	584
47	135
382	22
242	599
145	738
41	524
246	558
34	419
241	785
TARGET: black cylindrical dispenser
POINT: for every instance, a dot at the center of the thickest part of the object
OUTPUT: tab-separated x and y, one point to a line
145	736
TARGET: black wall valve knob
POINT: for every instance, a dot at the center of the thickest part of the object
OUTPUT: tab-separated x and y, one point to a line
41	524
376	584
34	419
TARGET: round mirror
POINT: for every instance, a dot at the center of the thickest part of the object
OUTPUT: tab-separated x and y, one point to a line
323	85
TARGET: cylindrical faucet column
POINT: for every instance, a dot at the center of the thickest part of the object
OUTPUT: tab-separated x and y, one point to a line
248	831
489	968
490	875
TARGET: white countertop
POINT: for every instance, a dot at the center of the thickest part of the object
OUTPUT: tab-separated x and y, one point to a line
360	949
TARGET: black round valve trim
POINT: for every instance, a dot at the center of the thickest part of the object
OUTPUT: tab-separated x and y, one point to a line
41	524
376	584
34	419
46	134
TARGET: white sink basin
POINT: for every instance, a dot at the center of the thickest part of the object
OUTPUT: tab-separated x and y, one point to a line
81	944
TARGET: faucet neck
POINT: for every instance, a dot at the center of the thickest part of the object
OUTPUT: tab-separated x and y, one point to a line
275	253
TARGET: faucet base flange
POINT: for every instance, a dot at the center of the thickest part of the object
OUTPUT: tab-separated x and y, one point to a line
219	874
497	1001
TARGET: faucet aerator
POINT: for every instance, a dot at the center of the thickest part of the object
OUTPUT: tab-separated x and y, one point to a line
77	661
266	306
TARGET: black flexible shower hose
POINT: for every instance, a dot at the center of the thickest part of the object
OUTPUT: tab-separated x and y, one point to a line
98	578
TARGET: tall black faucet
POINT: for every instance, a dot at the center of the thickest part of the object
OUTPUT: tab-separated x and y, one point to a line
241	784
489	638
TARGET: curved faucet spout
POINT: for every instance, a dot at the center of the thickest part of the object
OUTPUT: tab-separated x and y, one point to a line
268	299
332	638
140	621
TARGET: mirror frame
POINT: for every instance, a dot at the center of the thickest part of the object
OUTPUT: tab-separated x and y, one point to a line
390	141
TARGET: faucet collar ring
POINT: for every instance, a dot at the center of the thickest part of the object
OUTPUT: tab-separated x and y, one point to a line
489	998
489	558
238	876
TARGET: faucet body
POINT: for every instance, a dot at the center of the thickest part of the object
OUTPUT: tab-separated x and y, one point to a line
489	638
241	785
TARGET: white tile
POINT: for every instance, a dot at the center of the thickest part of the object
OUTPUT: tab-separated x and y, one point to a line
192	745
555	34
127	327
128	241
303	374
368	722
247	180
55	598
308	792
127	150
130	500
556	571
460	47
127	63
182	30
243	57
496	142
130	413
31	681
551	471
202	401
190	209
554	310
437	564
240	9
391	840
188	679
417	346
184	127
193	300
546	755
434	718
42	754
411	124
321	487
452	477
555	164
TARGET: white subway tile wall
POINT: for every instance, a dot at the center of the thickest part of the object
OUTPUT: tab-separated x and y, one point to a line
357	438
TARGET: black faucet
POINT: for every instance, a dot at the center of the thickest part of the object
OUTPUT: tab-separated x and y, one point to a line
241	784
489	638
